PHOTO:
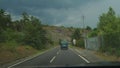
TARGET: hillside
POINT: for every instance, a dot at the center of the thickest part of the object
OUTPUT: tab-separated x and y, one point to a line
12	51
56	33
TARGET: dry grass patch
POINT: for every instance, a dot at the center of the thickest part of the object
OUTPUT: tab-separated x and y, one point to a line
18	52
78	48
107	57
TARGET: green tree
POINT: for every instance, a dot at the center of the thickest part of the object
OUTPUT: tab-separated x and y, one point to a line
35	35
79	40
88	28
27	30
109	28
106	22
76	35
93	33
5	20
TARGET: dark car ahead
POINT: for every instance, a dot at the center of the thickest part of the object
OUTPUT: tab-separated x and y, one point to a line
64	44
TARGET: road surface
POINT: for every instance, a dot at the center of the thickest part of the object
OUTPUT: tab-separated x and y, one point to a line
53	57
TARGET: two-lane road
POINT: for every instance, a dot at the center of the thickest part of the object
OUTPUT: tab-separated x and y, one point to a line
53	57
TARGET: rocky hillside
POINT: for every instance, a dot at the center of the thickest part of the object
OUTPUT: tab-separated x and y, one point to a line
56	33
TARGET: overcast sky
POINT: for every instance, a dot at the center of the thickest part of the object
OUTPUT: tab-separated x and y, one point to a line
61	12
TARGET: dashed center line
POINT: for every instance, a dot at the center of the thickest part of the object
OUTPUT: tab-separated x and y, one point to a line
58	52
52	59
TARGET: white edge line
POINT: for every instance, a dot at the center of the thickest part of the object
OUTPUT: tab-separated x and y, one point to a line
81	56
52	59
27	59
19	62
84	59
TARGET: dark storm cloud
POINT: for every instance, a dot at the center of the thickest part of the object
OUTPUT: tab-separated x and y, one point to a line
60	12
43	3
20	5
40	8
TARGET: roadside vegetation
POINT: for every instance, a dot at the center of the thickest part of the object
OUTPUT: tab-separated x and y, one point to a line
27	36
77	35
109	28
26	31
21	38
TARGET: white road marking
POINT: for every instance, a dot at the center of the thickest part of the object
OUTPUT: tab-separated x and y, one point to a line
29	58
18	63
52	59
84	59
81	56
58	52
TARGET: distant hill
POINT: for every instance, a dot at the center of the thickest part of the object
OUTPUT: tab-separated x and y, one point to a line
55	33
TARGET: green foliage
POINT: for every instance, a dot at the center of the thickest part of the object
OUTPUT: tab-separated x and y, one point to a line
88	28
107	22
93	33
5	20
79	40
35	35
80	43
27	30
10	34
110	50
112	39
109	28
8	46
76	35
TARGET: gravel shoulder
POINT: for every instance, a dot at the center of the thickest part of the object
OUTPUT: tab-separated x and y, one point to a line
96	56
89	55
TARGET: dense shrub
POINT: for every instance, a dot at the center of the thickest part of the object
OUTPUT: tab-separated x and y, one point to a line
28	30
80	43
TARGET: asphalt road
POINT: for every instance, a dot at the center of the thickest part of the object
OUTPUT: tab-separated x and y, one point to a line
53	57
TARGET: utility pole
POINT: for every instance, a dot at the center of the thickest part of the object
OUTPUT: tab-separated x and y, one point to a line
84	34
83	17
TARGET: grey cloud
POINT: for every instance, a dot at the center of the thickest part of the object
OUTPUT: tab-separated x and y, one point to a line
61	12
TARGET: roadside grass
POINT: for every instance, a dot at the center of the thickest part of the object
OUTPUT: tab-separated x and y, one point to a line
76	47
12	51
104	56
